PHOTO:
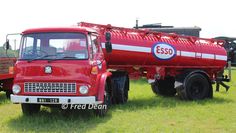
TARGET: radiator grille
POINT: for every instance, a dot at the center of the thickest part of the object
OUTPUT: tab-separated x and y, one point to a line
50	87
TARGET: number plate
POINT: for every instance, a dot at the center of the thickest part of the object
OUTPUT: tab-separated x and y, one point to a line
48	100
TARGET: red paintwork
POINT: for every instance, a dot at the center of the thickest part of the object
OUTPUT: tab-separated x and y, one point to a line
146	61
135	63
119	57
63	71
6	76
148	39
60	29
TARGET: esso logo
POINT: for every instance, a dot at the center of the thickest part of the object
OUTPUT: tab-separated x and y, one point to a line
163	51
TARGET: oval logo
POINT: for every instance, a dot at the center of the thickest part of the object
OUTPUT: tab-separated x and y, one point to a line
163	51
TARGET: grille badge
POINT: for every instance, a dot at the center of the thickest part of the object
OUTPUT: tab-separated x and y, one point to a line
48	69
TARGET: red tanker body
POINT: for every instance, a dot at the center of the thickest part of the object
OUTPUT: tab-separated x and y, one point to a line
92	64
166	52
148	50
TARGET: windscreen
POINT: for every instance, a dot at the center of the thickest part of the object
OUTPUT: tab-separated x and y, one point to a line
48	46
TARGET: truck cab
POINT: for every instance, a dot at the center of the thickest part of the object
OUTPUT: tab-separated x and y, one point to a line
60	66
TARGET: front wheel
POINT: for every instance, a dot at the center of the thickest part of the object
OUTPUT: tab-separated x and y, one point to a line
120	89
29	109
103	108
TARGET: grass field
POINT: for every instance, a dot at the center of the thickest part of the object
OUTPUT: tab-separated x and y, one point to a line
144	112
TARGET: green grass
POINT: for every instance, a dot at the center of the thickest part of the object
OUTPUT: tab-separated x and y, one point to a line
144	112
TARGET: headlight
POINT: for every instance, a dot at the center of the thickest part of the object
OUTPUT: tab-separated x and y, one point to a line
16	89
83	89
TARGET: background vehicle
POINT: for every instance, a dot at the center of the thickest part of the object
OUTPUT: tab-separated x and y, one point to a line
230	46
92	64
6	71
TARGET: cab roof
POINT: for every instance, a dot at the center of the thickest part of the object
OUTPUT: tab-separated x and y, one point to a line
59	29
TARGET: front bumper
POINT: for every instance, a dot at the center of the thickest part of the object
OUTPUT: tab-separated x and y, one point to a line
62	99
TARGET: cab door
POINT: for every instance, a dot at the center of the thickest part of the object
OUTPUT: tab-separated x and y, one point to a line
97	54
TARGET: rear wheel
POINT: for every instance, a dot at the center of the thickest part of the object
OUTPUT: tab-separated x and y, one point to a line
164	87
29	109
195	87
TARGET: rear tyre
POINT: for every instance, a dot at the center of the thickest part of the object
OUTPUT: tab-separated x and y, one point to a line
164	87
103	108
120	89
195	87
29	109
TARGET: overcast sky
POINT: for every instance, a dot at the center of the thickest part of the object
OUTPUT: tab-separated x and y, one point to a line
215	17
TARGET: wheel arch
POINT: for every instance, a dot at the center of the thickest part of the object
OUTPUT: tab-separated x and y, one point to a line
104	78
205	74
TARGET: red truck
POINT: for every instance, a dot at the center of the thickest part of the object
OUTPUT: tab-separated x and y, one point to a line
92	64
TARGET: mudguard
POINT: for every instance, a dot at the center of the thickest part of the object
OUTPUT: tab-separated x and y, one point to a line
101	85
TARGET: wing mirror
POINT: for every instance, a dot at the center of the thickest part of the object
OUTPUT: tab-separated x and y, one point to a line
108	44
7	45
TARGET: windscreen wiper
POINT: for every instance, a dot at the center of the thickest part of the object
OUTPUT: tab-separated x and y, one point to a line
40	58
64	57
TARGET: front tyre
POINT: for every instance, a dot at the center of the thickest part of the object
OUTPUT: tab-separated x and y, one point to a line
29	109
103	108
120	88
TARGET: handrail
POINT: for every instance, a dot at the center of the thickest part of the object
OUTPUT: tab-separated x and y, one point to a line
145	32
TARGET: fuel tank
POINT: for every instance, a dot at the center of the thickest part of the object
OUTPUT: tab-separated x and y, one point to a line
140	47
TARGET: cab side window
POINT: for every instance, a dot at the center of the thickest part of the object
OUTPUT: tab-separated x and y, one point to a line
95	47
